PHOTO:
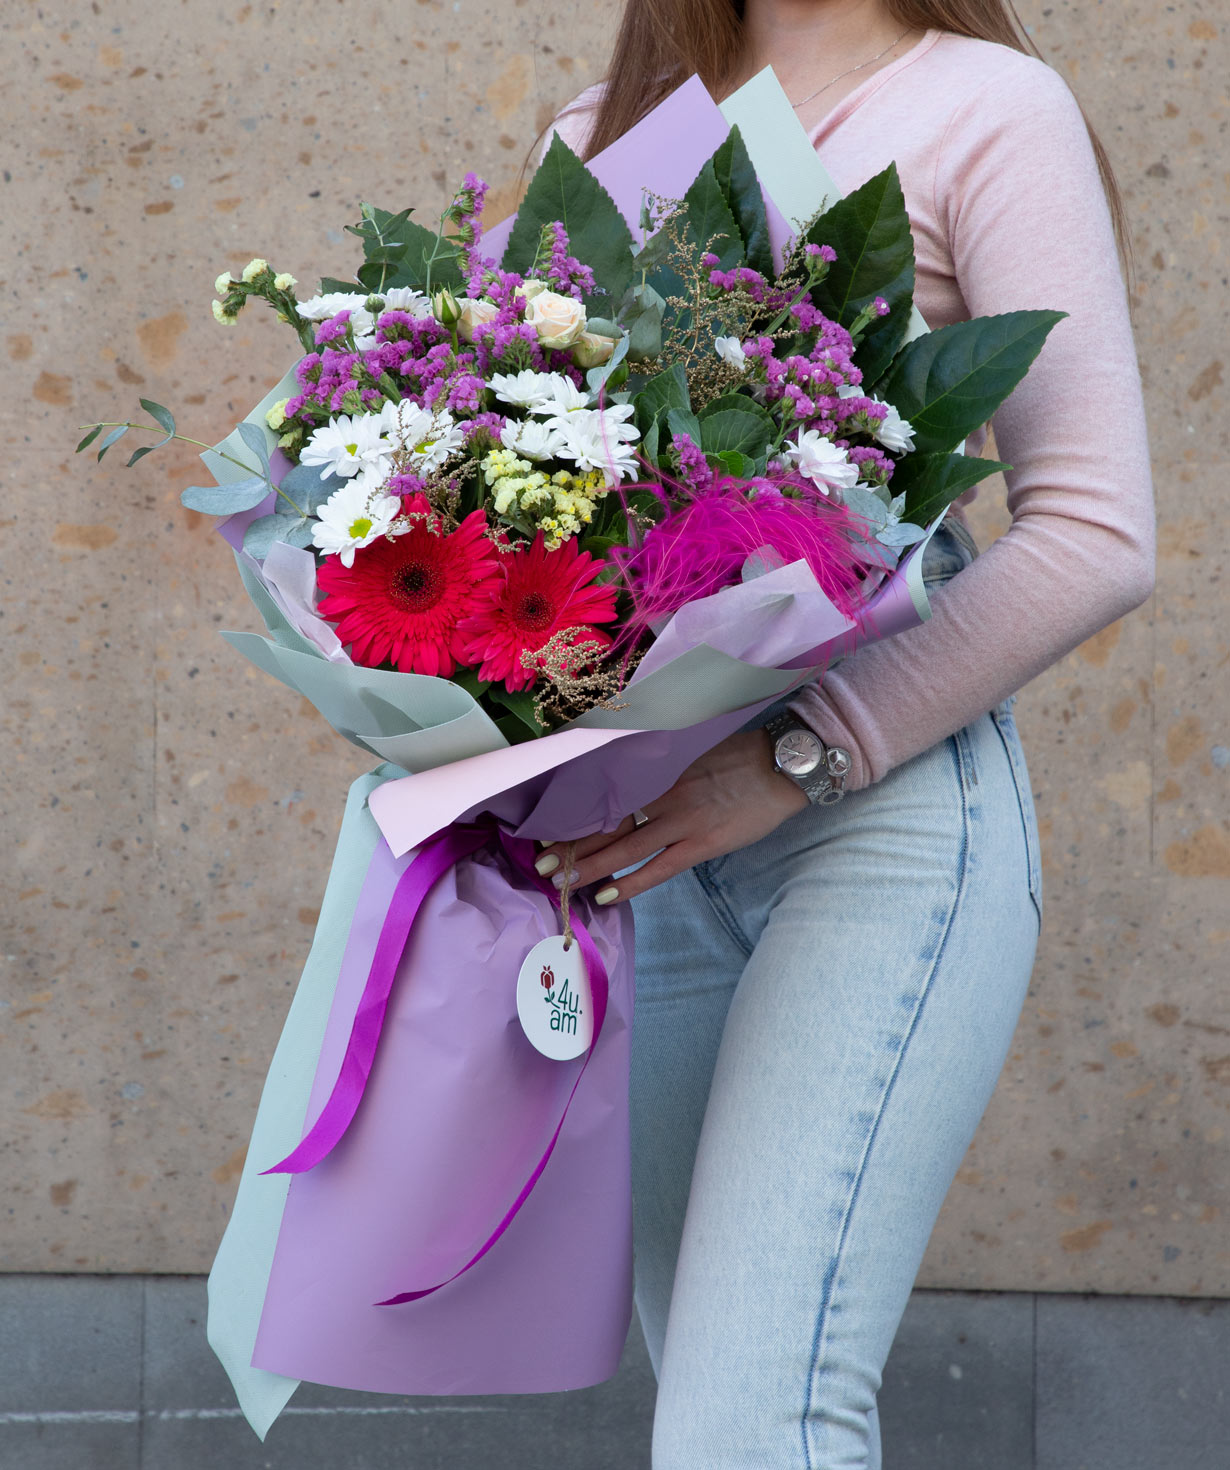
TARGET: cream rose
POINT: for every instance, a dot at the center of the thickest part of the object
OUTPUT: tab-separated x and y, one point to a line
558	320
527	290
591	351
475	313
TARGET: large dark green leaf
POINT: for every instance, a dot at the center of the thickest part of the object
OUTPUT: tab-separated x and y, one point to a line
951	381
660	394
870	231
708	225
741	188
396	251
734	429
929	482
563	189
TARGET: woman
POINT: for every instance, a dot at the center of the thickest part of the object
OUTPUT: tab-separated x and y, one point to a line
826	991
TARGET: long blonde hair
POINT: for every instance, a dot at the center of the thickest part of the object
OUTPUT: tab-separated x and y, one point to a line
669	40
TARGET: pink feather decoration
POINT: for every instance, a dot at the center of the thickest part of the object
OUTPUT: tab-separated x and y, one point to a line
701	547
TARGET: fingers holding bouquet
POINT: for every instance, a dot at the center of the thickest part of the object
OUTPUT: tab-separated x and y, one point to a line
729	798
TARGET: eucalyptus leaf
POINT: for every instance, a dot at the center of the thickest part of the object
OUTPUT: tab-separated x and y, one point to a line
596	377
867	505
225	500
142	452
734	429
264	532
950	382
162	416
930	482
89	438
303	483
257	440
741	188
902	534
870	231
115	435
564	190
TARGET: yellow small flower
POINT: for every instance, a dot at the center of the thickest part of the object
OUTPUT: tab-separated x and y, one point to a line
253	269
276	416
284	282
224	283
221	316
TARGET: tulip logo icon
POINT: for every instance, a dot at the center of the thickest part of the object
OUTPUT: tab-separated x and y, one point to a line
547	977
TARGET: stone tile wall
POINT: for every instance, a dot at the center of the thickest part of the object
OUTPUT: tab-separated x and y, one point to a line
169	814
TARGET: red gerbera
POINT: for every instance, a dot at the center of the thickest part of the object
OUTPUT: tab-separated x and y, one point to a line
544	592
402	600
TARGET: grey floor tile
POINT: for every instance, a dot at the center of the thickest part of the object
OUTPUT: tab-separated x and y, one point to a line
191	1422
958	1386
1133	1384
78	1444
70	1343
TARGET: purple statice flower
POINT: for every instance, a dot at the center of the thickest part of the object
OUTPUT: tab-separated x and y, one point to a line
743	275
874	466
565	271
694	468
404	484
334	330
465	391
881	306
491	423
825	253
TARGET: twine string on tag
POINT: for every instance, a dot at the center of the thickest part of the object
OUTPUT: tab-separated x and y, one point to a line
565	894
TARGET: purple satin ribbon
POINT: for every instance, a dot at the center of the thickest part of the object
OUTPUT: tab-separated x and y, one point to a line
437	855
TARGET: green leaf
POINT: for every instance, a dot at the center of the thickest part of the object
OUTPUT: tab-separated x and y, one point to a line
90	437
740	402
112	437
870	231
741	188
929	482
257	440
142	452
225	500
471	683
710	221
564	190
950	382
734	429
736	465
669	389
519	702
683	421
330	284
162	416
396	251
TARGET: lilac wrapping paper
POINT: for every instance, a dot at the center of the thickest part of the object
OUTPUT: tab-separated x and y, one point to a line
457	1103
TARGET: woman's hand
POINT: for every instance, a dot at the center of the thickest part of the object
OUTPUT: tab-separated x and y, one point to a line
731	797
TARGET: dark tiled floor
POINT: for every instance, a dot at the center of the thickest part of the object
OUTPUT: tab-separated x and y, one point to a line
114	1374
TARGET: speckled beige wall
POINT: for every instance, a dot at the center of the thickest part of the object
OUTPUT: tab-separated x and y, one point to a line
169	814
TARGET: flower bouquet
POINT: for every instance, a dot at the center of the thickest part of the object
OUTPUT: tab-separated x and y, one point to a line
538	516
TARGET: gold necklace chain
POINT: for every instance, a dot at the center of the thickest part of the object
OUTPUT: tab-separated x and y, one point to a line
860	67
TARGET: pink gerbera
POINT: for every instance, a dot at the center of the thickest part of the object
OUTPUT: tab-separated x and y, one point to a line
544	592
403	599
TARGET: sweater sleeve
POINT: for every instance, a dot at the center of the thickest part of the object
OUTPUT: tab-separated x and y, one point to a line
1018	192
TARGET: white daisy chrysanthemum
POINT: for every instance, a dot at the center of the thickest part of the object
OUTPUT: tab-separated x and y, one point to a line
821	461
352	518
406	298
563	398
530	438
429	438
526	389
894	432
347	445
599	439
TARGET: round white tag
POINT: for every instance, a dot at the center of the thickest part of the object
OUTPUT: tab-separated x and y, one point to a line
553	999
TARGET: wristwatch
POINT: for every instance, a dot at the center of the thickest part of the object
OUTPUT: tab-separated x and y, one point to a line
798	752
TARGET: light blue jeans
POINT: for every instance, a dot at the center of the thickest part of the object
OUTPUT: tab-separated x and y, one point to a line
821	1019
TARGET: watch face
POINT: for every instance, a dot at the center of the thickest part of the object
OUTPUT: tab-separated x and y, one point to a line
798	753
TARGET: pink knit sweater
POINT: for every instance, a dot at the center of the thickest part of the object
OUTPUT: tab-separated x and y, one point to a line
1008	213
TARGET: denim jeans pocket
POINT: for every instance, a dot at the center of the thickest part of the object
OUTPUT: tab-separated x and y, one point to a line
1005	724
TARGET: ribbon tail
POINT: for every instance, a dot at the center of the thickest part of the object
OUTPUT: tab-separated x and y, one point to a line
436	857
521	854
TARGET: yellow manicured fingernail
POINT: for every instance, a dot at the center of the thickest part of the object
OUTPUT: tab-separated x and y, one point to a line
606	895
547	864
